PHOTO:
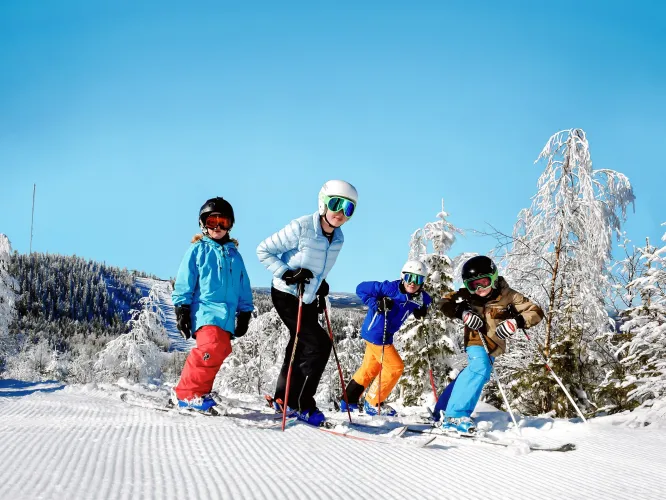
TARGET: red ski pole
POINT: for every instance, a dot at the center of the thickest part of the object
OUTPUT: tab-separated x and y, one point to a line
432	381
432	378
337	361
285	403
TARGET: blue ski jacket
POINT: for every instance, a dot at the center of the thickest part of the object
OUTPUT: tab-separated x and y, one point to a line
403	305
213	281
300	244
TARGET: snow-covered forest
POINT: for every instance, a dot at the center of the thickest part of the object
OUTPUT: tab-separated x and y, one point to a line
604	332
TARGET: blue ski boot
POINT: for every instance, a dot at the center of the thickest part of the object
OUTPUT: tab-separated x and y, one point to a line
386	410
202	404
313	417
353	407
463	426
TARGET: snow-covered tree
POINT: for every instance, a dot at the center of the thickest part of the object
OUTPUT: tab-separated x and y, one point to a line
612	391
643	353
32	362
346	326
254	363
427	344
559	257
135	355
8	288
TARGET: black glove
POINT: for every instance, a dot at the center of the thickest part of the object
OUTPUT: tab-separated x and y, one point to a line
242	323
384	304
321	296
184	320
323	289
472	320
421	312
297	276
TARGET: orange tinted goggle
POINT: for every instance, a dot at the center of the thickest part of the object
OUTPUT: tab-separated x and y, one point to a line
214	221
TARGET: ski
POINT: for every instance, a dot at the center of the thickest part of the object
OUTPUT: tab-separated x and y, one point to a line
394	438
487	440
258	418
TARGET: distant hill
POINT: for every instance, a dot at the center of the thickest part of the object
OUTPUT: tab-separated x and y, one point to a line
338	300
60	296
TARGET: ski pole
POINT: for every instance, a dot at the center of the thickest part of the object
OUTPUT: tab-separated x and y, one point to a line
301	288
492	368
337	361
557	379
539	349
381	366
432	378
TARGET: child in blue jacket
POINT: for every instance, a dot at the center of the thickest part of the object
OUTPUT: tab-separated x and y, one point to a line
213	301
389	304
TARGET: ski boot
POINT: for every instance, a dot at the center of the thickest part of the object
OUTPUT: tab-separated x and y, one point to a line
463	426
313	417
385	409
353	407
202	404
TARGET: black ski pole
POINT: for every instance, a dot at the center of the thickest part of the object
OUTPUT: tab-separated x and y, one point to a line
337	361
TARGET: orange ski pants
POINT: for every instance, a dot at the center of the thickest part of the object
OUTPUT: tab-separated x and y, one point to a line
391	371
203	362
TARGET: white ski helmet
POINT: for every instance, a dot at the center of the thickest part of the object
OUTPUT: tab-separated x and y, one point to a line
336	188
415	267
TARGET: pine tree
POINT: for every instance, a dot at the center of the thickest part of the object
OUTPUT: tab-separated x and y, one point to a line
644	350
426	345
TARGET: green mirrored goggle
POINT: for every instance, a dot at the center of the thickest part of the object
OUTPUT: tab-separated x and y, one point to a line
337	204
414	279
481	281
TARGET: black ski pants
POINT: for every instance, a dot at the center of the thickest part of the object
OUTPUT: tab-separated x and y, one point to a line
312	351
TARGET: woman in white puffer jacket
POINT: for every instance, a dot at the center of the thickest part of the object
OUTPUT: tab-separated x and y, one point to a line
303	253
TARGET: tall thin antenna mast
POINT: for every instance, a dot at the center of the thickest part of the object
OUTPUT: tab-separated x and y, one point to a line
32	221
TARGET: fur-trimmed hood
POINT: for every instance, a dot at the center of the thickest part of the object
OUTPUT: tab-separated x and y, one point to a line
199	236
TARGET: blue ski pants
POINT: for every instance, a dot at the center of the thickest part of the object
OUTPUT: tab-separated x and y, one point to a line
461	395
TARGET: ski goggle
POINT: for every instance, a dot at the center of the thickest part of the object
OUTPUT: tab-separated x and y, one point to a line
479	282
337	204
414	279
214	221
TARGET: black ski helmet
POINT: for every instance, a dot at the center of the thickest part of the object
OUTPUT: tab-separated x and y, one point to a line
219	205
479	267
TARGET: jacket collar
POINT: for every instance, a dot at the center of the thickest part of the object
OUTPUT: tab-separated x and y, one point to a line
229	245
337	232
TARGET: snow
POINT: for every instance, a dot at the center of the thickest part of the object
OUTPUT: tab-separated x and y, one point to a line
164	289
75	442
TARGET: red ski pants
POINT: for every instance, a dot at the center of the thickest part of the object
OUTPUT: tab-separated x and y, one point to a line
203	362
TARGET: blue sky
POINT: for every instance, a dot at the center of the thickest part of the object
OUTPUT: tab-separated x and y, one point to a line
128	117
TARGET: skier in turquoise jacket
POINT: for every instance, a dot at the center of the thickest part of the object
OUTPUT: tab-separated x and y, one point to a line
213	301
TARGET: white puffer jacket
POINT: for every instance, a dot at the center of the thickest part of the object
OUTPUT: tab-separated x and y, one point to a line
301	243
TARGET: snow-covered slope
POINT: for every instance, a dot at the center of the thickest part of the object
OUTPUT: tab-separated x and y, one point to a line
79	442
178	343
